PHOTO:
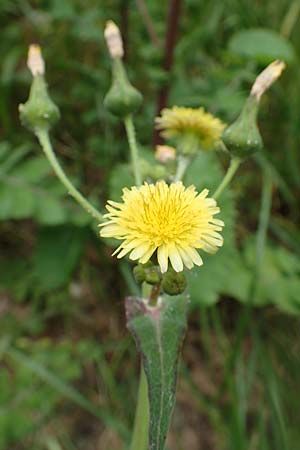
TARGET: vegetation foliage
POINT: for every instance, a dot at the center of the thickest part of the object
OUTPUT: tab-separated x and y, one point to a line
67	366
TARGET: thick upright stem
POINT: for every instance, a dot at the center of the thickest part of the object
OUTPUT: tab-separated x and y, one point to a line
43	137
133	149
141	422
264	218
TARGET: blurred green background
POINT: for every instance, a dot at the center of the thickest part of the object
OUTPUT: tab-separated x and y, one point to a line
68	367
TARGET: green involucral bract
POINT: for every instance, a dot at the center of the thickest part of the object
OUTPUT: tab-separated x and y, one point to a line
122	99
39	112
242	138
158	332
173	283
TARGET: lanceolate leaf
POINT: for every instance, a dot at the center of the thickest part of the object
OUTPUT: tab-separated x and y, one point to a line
158	333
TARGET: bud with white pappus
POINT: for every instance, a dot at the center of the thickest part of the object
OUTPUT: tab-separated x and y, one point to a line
122	99
39	112
242	138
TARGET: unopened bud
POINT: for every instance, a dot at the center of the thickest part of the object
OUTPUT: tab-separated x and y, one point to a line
114	40
267	77
153	275
148	170
139	273
242	138
173	283
39	112
165	153
122	99
35	61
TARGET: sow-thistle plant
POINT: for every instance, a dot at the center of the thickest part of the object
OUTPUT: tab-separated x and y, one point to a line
163	226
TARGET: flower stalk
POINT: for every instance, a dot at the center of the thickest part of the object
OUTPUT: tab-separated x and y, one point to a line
182	165
134	153
139	440
39	114
43	137
233	167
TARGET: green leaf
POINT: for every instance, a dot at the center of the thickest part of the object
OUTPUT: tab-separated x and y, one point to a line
6	202
23	203
16	203
33	170
65	389
57	254
207	282
120	177
158	333
279	278
50	210
262	45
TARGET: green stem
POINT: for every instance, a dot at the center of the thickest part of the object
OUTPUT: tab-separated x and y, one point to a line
234	165
128	122
264	218
183	163
290	19
246	317
139	439
43	137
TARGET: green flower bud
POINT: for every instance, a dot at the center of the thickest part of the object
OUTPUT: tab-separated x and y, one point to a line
145	168
242	138
139	273
158	171
173	283
153	275
154	171
122	99
39	112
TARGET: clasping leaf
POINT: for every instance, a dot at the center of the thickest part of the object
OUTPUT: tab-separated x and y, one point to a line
158	332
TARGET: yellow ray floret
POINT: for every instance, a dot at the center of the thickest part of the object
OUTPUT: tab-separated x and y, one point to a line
177	121
171	219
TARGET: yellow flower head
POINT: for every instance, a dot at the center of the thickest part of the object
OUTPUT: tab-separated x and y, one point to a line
173	220
179	121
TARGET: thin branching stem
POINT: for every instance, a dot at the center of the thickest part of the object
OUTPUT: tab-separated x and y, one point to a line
183	163
128	122
233	167
43	137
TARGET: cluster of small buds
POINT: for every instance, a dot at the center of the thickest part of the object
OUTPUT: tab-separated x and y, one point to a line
171	283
